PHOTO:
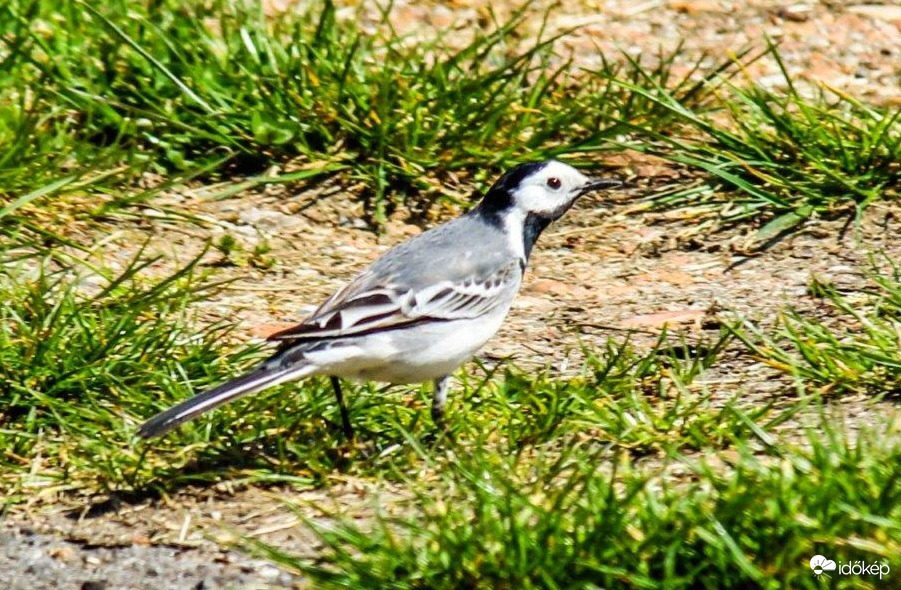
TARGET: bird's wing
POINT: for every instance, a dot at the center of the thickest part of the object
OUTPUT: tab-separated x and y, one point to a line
367	305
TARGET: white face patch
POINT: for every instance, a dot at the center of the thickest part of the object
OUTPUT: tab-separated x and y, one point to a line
550	190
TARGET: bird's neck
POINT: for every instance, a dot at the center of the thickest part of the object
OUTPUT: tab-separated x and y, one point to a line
522	228
532	227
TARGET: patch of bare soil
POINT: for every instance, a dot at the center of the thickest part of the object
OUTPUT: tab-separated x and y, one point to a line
849	45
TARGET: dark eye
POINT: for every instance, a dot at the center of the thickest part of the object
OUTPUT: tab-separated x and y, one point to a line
554	182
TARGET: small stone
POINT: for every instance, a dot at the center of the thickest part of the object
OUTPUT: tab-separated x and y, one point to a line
267	330
549	287
93	585
62	553
268	220
695	6
798	13
879	11
269	572
400	230
663	318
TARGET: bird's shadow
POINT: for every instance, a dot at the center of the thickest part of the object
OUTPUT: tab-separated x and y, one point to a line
307	453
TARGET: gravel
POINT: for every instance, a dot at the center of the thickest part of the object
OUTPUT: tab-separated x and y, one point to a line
34	561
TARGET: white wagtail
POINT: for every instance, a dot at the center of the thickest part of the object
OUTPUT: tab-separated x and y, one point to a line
422	309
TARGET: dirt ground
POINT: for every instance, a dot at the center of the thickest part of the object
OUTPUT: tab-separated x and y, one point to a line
849	45
605	270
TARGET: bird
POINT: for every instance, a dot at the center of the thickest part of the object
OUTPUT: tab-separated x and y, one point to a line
423	308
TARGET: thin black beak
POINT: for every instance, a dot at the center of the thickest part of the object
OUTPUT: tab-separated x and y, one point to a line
595	184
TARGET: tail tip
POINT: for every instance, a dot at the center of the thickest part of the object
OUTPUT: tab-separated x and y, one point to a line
151	429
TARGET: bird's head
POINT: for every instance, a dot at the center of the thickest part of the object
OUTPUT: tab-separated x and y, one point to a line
545	190
525	200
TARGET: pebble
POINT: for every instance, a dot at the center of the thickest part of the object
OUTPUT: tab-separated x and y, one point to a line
269	572
880	11
268	220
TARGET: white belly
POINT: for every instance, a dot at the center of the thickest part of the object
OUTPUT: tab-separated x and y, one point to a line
421	353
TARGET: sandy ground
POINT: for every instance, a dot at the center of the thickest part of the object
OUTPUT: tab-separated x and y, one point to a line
599	273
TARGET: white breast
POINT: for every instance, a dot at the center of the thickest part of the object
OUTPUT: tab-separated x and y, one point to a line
420	353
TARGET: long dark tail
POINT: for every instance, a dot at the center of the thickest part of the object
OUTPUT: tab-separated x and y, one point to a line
256	380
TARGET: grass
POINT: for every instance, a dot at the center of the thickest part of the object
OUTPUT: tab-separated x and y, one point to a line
592	518
37	156
218	87
220	92
78	350
783	157
858	353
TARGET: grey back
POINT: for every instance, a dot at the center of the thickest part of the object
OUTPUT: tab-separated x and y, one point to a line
467	247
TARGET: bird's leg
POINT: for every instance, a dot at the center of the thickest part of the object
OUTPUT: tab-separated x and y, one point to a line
345	419
439	397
